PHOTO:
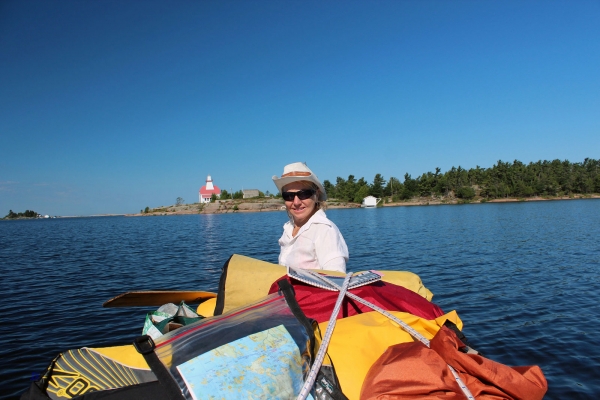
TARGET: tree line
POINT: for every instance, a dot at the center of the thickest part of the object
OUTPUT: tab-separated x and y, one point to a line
502	180
235	195
27	214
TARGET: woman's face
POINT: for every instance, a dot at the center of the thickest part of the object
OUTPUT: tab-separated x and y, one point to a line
300	210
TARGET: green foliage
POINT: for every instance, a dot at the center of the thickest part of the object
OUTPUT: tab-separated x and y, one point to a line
377	186
238	195
405	194
146	210
235	207
179	201
261	195
225	194
353	190
26	214
465	192
393	187
504	179
213	198
362	193
329	189
410	188
543	178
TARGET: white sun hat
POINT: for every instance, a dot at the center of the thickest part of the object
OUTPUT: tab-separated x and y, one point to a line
295	172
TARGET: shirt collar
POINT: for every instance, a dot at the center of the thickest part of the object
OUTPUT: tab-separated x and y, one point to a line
318	218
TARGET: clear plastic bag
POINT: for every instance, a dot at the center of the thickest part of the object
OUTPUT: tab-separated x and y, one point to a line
263	350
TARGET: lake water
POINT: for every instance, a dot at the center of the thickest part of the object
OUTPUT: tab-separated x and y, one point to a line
522	276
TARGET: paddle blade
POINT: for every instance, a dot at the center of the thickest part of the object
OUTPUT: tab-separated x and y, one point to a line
158	298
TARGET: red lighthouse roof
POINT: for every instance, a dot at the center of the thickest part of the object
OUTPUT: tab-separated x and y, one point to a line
209	192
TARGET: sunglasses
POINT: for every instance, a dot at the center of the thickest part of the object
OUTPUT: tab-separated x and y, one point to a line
302	194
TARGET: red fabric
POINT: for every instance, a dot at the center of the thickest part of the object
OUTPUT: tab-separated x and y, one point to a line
411	371
317	303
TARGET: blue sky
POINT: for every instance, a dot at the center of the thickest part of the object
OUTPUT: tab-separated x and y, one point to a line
112	106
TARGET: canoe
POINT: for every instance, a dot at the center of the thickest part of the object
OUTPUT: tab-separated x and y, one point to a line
261	321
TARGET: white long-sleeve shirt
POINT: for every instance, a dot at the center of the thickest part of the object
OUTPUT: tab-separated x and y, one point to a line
318	244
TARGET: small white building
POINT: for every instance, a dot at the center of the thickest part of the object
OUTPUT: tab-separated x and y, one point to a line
370	202
205	193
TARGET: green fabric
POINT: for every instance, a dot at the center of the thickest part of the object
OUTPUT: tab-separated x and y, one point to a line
157	322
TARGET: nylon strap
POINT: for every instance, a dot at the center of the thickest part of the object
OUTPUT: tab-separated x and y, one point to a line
404	326
312	375
145	346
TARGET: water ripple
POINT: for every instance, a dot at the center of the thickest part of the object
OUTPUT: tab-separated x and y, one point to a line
522	276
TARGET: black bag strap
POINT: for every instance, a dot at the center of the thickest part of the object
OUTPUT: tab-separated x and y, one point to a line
289	294
145	346
221	292
326	386
468	346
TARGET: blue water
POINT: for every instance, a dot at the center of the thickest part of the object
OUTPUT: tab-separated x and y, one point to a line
522	276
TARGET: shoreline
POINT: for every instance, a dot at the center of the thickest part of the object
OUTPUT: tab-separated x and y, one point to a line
426	201
268	205
271	204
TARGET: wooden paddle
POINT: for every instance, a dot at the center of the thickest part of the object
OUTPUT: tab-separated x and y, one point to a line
158	298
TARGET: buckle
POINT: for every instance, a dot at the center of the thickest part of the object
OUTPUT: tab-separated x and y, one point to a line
144	344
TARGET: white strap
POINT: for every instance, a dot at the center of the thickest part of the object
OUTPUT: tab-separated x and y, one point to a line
404	326
312	375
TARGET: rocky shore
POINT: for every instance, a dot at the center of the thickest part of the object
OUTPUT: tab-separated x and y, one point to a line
231	206
273	204
425	201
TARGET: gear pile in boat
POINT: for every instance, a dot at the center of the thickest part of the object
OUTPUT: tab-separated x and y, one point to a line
261	337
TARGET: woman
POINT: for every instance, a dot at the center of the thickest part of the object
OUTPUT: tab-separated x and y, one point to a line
310	240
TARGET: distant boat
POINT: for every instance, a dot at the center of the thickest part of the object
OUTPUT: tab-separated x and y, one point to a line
370	202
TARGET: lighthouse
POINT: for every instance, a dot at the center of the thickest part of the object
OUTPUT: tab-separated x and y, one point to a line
206	191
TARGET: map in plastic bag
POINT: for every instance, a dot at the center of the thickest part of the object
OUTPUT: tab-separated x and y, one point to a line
266	365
